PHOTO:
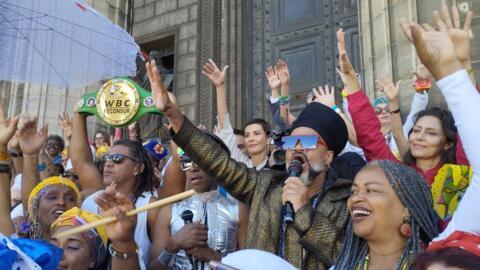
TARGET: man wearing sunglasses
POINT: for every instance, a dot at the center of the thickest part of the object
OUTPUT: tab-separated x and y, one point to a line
218	223
318	196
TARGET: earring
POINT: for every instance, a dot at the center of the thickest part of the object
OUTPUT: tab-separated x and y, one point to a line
405	228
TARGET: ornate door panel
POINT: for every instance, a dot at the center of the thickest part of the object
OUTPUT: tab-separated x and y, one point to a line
301	32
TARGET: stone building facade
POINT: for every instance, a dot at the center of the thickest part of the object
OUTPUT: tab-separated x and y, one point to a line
251	35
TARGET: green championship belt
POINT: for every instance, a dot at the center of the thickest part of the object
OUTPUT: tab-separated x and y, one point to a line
119	102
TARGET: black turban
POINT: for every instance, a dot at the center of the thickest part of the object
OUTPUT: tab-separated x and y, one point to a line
326	122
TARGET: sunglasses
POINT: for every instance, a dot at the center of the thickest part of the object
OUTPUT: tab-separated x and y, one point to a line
186	163
70	175
306	141
379	110
118	158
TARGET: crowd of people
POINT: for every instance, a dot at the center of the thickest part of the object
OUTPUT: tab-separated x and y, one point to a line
339	186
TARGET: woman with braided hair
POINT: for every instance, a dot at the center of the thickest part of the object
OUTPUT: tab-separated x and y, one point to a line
48	200
392	218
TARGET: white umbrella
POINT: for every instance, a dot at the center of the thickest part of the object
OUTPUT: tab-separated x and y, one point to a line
64	43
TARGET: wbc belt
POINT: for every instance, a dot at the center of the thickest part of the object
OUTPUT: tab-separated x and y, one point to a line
119	102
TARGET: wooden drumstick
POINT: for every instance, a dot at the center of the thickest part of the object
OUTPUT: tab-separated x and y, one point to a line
144	208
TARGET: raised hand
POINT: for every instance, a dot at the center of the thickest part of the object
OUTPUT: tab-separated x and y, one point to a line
211	70
282	72
272	78
326	95
7	128
65	123
160	94
422	73
31	141
114	203
390	89
13	144
351	82
435	48
460	36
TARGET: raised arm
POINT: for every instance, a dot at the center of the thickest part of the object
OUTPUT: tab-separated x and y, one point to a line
423	83
274	83
7	129
284	76
66	125
392	91
366	123
239	181
218	78
81	155
174	178
326	96
30	142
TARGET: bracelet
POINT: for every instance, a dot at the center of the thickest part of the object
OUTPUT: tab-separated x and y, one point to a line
15	155
344	93
422	85
4	168
121	255
395	111
165	257
336	109
284	100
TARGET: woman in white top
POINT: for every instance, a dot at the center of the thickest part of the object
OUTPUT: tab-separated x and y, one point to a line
256	131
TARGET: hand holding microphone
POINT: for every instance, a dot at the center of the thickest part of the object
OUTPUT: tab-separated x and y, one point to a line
294	192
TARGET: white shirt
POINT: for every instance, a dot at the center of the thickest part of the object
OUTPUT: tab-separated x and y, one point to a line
463	100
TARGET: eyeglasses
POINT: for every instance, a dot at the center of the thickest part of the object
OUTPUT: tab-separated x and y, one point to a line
118	158
306	141
70	175
379	110
186	163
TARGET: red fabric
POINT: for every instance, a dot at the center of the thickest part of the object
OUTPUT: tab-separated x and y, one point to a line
430	174
368	128
458	239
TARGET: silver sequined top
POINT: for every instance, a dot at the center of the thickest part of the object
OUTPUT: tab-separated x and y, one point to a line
222	218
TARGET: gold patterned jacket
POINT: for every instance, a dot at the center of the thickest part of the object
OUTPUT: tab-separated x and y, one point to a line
316	237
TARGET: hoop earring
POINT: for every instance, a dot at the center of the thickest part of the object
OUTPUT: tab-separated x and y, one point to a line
405	228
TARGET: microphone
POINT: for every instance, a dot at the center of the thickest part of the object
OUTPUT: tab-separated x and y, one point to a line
294	170
187	217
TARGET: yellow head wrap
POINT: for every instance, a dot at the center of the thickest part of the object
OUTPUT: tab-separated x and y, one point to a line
54	180
75	217
96	237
